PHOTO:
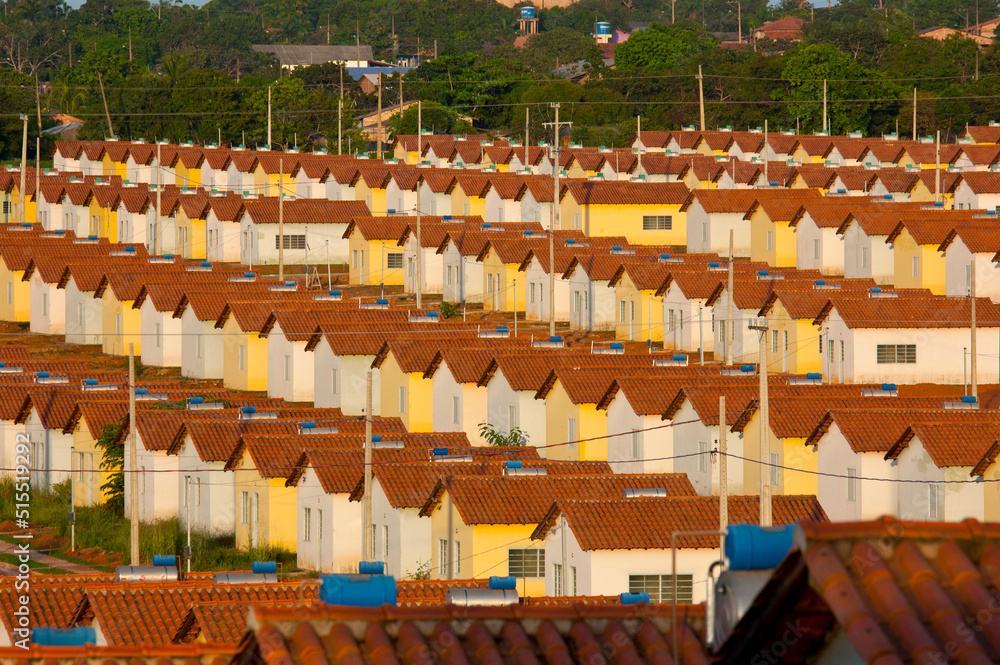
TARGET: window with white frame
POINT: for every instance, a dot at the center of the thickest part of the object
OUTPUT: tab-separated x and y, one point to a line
242	351
557	579
528	562
852	481
572	580
770	241
532	296
287	366
197	493
511	416
896	354
306	524
864	257
394	260
334	381
702	457
621	311
661	587
455	410
775	469
916	267
636	452
402	399
373	553
443	556
935	502
816	248
245	507
158	335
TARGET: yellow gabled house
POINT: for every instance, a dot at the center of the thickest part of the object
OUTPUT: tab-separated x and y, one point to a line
772	236
502	258
794	342
468	194
265	505
918	259
15	302
406	393
370	187
647	213
191	217
244	351
374	251
121	324
638	310
87	424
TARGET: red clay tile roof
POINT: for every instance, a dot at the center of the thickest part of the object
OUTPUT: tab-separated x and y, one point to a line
647	523
623	192
526	500
911	312
950	444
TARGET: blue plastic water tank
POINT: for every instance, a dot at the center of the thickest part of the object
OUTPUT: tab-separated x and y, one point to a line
713	264
746	368
634	598
617	345
381	301
43	375
264	567
814	375
527	12
164	560
618	248
371	567
497	582
752	547
680	356
502	329
90	382
63	637
888	386
439	452
196	400
820	282
308	424
206	264
555	338
969	399
376	438
603	28
248	409
876	289
358	590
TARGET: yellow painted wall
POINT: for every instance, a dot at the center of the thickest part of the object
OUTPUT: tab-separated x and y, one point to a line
624	220
20	295
392	378
276	506
751	451
803	352
254	375
558	410
931	265
502	299
84	443
991	493
117	345
646	324
418	415
783	251
802	464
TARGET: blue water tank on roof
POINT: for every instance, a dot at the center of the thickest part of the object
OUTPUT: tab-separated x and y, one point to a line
752	547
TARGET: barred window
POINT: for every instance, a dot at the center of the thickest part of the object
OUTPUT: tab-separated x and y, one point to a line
657	222
661	587
894	354
526	562
291	242
394	260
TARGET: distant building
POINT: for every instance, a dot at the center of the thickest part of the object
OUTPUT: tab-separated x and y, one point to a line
941	32
291	56
787	28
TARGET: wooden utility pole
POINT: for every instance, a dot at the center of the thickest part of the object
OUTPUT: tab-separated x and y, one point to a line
767	182
130	43
378	147
133	512
765	428
914	113
701	98
527	127
268	117
107	113
38	104
420	130
638	147
400	63
419	284
974	379
555	216
281	220
723	473
357	39
367	496
729	329
340	126
328	28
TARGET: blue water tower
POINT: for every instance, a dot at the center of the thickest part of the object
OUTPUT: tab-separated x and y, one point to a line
527	13
603	28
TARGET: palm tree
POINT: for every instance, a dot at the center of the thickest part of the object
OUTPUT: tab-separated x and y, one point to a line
174	66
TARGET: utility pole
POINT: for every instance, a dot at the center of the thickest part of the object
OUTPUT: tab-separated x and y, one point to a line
400	63
914	113
24	167
555	217
638	147
767	182
723	473
420	130
268	117
527	126
701	98
107	113
187	502
728	329
367	496
765	452
937	166
130	43
38	104
328	28
419	284
133	462
378	148
974	379
159	188
357	38
281	220
340	125
72	498
824	105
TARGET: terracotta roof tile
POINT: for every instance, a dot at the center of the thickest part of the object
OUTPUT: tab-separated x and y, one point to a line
912	312
622	192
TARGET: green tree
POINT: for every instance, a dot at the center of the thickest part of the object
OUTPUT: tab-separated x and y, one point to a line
113	460
661	47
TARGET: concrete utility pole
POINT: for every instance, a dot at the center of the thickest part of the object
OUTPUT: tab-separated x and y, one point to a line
340	125
419	284
765	427
824	105
638	147
701	98
723	473
555	216
400	63
974	378
378	148
728	329
420	130
367	540
937	166
281	220
72	498
159	189
268	117
357	38
133	462
24	168
767	183
527	126
130	43
914	113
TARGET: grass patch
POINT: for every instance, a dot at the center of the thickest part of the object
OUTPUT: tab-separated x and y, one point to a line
36	567
98	527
